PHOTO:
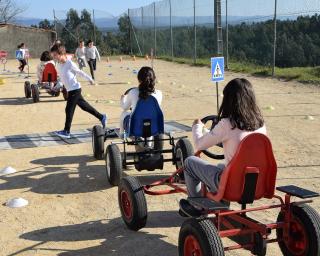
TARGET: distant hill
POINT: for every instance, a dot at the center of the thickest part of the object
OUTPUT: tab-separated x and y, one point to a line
111	24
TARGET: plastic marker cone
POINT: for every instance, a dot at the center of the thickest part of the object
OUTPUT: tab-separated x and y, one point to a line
173	83
270	108
17	202
199	90
310	118
88	95
129	83
7	170
110	101
2	81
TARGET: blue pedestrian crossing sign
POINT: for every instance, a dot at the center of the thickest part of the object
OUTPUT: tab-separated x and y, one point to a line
217	69
19	55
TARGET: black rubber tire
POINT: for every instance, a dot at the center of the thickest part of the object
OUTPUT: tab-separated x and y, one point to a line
134	190
114	164
35	93
56	94
65	93
158	142
183	147
27	89
205	234
310	220
98	142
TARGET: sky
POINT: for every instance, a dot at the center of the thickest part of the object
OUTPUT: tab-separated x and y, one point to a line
109	8
43	8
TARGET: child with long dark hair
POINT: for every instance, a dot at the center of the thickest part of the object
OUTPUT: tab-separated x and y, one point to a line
239	116
147	82
68	72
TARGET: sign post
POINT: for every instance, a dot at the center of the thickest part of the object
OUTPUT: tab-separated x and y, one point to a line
217	74
3	59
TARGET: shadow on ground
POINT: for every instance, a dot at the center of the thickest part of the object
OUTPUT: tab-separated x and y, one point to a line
118	240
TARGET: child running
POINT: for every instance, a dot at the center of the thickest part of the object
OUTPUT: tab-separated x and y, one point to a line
92	54
239	116
147	82
68	72
22	48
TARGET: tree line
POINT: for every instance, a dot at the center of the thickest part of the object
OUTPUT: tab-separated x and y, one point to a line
298	41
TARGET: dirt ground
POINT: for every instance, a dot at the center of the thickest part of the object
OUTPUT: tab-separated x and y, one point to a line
73	210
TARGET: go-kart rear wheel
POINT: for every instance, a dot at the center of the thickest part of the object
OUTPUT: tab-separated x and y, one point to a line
56	94
132	203
199	238
27	89
35	93
182	151
113	164
98	142
303	234
65	93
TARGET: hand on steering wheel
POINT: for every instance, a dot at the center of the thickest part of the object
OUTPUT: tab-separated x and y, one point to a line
214	120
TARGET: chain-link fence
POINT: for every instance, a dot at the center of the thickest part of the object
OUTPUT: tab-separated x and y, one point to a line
256	31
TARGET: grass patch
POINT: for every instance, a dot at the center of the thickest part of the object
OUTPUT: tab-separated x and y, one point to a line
310	75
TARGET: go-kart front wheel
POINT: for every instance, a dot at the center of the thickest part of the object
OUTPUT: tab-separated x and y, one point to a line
98	142
27	89
199	238
132	203
182	151
303	233
113	164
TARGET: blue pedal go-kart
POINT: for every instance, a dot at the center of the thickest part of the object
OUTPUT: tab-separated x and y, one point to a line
146	133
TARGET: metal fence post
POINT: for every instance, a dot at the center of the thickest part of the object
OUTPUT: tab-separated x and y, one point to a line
227	37
142	30
275	38
94	27
130	41
171	32
195	33
55	23
155	29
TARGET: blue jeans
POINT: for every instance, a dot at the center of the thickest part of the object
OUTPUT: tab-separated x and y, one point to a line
197	171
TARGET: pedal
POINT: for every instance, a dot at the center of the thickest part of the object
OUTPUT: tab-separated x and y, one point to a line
297	191
207	204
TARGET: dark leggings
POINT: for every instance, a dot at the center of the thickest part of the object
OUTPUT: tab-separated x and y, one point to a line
75	98
93	66
23	63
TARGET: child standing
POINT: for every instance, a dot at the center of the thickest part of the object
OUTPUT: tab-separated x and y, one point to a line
81	55
238	117
92	54
68	72
22	60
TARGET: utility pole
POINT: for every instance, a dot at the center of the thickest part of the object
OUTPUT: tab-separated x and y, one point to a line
129	32
55	23
275	37
94	27
195	33
171	32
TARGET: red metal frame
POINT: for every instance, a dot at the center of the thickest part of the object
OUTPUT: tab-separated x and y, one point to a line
221	217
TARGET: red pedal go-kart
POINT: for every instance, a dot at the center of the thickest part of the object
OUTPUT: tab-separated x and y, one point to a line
250	176
49	77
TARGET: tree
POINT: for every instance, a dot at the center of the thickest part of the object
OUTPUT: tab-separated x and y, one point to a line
9	10
45	24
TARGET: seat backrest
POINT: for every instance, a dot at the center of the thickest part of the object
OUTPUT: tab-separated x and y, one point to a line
49	73
251	174
147	119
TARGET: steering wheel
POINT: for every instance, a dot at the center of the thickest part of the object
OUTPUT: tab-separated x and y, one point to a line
214	120
127	91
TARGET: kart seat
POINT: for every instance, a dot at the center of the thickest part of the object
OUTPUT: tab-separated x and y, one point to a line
147	119
49	73
251	174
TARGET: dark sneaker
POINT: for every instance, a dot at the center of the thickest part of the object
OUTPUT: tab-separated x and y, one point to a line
63	134
104	120
188	209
